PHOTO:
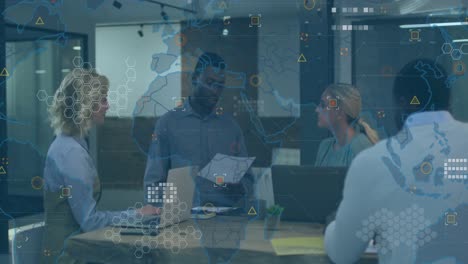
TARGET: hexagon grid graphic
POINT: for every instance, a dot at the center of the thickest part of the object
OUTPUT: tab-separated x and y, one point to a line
173	237
409	228
447	48
78	106
455	53
464	48
118	98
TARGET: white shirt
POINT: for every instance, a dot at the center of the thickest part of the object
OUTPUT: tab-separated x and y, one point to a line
399	193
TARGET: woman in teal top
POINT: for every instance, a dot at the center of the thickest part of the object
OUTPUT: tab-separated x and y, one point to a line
338	111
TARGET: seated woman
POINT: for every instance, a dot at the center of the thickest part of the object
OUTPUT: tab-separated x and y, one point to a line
339	111
72	188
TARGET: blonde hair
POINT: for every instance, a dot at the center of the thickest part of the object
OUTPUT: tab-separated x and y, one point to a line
78	96
351	103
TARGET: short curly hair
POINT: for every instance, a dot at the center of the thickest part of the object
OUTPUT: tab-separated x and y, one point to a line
78	96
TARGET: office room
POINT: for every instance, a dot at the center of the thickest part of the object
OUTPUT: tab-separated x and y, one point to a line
233	131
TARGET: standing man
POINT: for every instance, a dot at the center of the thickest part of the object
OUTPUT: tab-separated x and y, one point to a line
193	133
409	193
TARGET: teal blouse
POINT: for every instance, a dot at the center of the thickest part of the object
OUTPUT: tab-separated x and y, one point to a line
329	157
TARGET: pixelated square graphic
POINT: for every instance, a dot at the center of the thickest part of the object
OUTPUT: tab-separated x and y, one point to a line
456	169
162	193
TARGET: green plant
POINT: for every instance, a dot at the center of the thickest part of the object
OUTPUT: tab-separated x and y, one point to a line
275	210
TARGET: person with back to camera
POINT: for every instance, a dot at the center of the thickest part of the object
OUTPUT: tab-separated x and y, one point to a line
403	193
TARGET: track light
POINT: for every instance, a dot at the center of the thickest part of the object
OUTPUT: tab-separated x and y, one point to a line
117	4
140	32
172	6
164	15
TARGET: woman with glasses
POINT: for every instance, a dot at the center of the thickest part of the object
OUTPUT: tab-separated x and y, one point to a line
339	112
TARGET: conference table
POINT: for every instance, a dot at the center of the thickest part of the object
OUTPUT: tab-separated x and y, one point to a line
224	239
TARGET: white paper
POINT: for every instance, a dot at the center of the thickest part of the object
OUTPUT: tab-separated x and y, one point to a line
371	249
230	168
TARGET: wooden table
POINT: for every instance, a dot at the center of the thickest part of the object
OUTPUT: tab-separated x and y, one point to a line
244	243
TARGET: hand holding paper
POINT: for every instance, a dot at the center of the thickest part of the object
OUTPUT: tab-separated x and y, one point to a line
230	168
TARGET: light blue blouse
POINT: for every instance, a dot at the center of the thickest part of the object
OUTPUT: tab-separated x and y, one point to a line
68	164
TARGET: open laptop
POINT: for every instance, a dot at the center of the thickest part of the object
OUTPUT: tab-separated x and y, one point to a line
176	208
308	193
176	197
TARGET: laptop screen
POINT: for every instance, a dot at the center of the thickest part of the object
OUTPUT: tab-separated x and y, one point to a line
308	193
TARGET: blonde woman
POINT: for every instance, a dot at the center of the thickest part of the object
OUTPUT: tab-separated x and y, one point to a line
72	188
338	111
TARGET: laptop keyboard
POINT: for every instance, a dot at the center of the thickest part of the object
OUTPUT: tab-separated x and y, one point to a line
147	219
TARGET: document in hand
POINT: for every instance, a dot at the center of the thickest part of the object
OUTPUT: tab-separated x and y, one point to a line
230	168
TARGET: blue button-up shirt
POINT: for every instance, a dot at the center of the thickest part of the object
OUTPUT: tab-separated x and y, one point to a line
183	138
68	164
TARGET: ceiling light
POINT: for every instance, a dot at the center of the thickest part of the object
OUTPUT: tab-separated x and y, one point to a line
164	15
117	4
447	24
140	32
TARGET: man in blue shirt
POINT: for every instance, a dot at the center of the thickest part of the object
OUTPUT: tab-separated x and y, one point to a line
409	193
193	133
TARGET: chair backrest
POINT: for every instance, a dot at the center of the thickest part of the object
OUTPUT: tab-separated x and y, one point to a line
264	185
26	243
286	156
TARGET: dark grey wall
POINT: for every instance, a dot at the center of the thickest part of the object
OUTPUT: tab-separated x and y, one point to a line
316	75
379	55
3	133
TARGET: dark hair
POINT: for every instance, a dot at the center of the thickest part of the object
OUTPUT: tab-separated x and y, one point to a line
208	59
427	81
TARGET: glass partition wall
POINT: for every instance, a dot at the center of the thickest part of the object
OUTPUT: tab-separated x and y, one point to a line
36	62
